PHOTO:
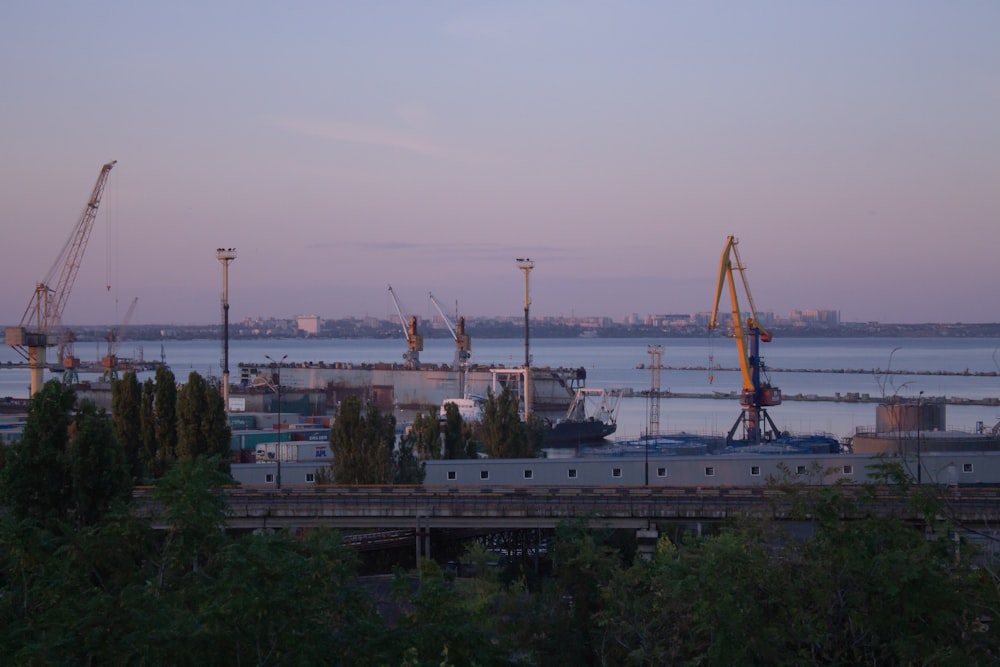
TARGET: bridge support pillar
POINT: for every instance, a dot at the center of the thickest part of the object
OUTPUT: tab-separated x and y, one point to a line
647	538
423	541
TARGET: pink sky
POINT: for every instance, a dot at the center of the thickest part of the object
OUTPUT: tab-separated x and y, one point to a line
852	147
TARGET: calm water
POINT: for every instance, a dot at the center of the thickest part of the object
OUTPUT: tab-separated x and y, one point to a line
616	362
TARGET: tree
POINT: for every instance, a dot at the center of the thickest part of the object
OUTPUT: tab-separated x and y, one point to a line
126	412
147	431
98	470
407	468
503	434
202	427
64	469
459	441
165	418
362	447
425	435
35	481
279	600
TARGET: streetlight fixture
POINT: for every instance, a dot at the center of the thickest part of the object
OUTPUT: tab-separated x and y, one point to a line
277	365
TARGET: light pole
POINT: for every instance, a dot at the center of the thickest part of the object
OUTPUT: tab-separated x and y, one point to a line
920	397
277	366
526	265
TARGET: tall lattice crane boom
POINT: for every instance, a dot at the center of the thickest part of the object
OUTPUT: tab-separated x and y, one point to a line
43	316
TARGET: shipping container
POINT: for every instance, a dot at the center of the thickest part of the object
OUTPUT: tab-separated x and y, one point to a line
293	452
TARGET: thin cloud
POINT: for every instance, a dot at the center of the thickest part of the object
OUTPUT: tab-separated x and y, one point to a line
372	135
449	249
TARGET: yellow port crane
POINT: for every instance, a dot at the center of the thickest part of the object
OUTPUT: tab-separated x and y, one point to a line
463	343
757	394
414	341
42	320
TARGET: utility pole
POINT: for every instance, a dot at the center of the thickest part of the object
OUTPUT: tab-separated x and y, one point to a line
226	257
526	265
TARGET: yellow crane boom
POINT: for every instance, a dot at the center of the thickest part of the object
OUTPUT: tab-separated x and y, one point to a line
726	270
756	394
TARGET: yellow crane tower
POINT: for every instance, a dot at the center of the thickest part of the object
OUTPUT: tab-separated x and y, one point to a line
414	341
463	343
757	394
42	320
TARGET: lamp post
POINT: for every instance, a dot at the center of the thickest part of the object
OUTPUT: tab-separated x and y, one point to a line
920	397
526	265
277	365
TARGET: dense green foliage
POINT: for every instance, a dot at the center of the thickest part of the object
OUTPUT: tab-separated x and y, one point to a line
202	427
164	421
364	449
436	438
126	409
501	431
83	582
66	468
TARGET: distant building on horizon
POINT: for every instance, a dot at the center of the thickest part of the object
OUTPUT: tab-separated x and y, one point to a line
310	324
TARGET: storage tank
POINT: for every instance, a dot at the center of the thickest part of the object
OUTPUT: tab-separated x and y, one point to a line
909	416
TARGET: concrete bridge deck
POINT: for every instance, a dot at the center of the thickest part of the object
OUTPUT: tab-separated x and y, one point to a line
404	507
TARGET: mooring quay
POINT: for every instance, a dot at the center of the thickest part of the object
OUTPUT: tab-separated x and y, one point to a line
390	507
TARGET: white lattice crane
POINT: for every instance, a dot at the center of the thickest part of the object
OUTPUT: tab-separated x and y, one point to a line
41	323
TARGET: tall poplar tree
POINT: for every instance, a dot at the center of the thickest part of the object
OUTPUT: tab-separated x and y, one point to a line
165	418
147	430
126	409
202	428
362	446
97	466
503	434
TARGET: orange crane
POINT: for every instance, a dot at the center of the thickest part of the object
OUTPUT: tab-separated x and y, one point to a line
463	343
757	394
115	338
42	320
414	341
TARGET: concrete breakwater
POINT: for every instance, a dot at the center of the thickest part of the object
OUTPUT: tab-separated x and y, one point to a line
846	397
839	371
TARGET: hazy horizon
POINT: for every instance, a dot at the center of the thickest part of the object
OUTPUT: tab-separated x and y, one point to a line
853	148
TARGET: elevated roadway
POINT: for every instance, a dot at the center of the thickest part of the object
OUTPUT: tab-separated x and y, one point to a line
407	507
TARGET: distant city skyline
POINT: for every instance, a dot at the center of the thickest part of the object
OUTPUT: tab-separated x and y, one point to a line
853	148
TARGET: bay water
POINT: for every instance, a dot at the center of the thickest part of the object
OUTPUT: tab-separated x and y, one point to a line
858	365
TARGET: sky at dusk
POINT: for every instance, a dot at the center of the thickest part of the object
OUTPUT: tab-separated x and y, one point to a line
852	147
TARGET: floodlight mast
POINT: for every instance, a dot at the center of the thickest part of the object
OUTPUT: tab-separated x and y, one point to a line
526	265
